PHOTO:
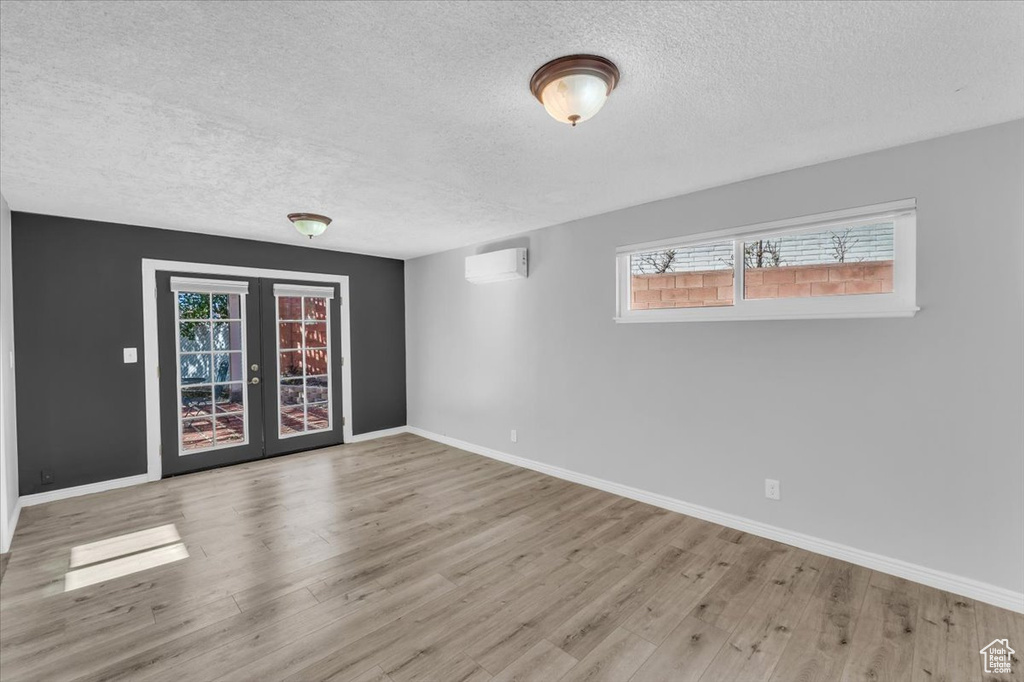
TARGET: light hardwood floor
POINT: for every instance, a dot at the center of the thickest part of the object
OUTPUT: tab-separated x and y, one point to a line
401	559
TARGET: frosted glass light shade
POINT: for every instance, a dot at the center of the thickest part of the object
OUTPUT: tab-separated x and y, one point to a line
310	228
309	224
574	88
574	99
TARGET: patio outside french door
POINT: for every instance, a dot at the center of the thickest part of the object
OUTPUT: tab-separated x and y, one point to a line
247	369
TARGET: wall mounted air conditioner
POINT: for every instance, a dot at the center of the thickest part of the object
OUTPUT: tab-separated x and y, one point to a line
496	266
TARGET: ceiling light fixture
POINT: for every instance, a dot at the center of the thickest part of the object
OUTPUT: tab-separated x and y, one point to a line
309	224
574	88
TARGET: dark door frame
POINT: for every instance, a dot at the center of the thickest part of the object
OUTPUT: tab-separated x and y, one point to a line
150	354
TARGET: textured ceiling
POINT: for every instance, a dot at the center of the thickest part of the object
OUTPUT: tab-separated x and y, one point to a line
412	124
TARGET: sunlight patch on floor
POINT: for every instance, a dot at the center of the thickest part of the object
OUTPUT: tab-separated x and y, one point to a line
123	555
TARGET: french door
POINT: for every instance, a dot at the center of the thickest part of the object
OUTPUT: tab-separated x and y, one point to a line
248	369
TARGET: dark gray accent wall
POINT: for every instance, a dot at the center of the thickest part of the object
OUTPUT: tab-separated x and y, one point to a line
78	302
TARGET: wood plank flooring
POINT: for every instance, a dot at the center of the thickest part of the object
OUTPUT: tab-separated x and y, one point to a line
401	559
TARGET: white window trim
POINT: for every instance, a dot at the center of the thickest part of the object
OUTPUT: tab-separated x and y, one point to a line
208	286
154	464
902	302
303	290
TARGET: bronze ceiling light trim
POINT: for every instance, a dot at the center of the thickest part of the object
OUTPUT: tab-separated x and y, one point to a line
574	88
309	224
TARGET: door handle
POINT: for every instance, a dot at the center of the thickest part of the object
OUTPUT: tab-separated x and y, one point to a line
254	381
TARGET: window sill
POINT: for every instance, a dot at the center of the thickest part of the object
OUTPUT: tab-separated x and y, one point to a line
729	315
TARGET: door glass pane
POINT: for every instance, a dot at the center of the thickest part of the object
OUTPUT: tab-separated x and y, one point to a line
293	421
227	367
230	429
316	361
229	397
291	363
227	307
194	336
192	306
195	369
304	395
196	434
195	401
291	391
315	308
318	418
227	336
289	335
211	370
289	308
316	335
316	390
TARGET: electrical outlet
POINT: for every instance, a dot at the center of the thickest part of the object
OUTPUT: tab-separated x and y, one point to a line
771	489
514	437
131	355
46	476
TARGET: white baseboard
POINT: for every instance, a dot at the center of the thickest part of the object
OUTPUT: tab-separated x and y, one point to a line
370	435
7	534
968	587
88	489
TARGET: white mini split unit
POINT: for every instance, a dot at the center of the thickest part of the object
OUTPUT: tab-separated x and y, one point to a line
496	266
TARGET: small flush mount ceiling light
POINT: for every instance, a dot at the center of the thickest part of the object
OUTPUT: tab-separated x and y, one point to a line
309	224
574	88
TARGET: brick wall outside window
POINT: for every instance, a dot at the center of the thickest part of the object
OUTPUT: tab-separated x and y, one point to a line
708	288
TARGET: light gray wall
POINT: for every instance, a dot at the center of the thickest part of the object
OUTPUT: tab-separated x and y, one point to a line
8	425
903	437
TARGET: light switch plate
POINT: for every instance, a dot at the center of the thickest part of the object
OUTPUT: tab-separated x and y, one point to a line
131	355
